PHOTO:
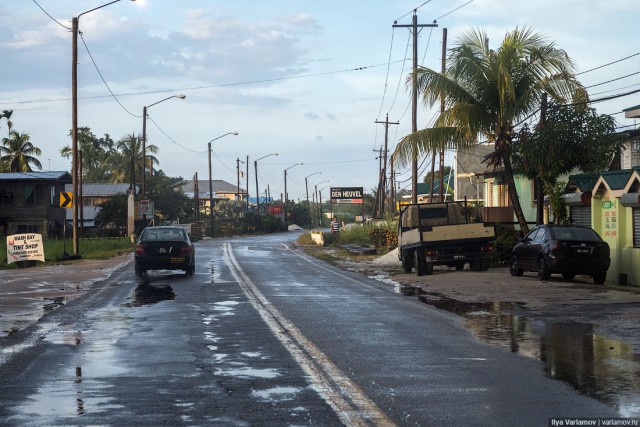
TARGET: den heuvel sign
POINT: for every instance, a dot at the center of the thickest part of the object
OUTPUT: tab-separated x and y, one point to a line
346	195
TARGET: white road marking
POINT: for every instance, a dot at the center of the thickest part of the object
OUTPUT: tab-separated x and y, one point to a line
348	401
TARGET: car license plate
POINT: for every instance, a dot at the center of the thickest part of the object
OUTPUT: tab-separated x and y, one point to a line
583	251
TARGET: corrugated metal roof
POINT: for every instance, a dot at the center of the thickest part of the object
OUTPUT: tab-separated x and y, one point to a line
101	189
24	176
218	186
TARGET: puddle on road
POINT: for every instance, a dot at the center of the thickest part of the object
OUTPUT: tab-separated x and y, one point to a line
146	294
599	367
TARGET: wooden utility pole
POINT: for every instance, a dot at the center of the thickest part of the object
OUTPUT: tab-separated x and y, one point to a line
414	102
383	178
442	106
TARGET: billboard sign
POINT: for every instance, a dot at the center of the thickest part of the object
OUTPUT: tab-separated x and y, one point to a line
346	195
25	247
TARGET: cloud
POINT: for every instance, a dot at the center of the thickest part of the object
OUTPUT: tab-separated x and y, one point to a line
312	116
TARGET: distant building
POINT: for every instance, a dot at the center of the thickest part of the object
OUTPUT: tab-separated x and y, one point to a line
93	195
30	202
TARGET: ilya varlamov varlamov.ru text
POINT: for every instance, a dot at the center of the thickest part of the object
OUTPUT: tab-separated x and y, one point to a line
594	422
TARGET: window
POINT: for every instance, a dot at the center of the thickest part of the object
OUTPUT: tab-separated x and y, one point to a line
26	228
29	194
636	227
7	195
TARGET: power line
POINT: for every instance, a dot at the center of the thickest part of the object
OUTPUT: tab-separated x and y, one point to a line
386	80
613	80
457	8
52	18
610	63
413	10
209	86
103	80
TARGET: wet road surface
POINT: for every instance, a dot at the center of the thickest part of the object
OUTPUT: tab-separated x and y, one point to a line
265	335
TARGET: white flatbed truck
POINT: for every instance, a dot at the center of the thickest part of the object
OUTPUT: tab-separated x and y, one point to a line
431	234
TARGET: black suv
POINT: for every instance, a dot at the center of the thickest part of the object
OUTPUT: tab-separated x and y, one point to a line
561	249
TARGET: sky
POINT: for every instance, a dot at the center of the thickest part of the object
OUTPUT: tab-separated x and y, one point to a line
306	79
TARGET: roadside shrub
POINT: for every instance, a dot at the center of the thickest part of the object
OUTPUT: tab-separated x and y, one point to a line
384	236
506	239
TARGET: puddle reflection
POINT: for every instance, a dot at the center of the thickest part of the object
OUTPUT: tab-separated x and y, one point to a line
597	366
146	294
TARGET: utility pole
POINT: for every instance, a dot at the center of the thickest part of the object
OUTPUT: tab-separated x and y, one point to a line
377	210
442	106
414	101
386	124
247	177
196	196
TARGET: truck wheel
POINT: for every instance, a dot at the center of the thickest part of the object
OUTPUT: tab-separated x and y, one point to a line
420	262
407	261
428	268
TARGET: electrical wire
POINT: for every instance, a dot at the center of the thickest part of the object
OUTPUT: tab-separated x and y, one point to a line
52	18
103	80
386	80
610	63
454	10
413	10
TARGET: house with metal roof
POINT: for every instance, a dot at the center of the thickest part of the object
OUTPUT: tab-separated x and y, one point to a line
93	195
30	202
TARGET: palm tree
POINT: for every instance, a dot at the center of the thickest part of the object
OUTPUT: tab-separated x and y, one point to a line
127	162
6	114
490	92
19	152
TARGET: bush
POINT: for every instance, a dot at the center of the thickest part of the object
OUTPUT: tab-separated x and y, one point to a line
506	239
384	236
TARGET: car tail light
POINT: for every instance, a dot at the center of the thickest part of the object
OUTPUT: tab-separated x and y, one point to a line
558	247
486	248
139	249
185	249
431	252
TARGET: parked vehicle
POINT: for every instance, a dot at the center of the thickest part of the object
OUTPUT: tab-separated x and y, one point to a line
561	249
440	234
164	248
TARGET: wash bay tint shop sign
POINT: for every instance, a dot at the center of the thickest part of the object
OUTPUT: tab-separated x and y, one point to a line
346	195
25	247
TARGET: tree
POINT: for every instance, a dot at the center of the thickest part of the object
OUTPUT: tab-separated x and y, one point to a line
447	171
6	114
111	220
19	152
128	158
567	138
96	155
488	93
169	204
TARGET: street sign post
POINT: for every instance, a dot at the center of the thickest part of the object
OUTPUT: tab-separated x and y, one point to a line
66	199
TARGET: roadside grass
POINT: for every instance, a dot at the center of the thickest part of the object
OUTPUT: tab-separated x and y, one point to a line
100	248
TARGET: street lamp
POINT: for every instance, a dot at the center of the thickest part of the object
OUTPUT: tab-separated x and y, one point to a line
74	120
255	167
211	181
144	138
306	185
318	200
286	196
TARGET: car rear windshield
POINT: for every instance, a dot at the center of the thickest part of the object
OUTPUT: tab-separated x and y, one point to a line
574	233
164	234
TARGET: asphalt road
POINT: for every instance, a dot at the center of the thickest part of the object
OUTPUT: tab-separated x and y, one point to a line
262	334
